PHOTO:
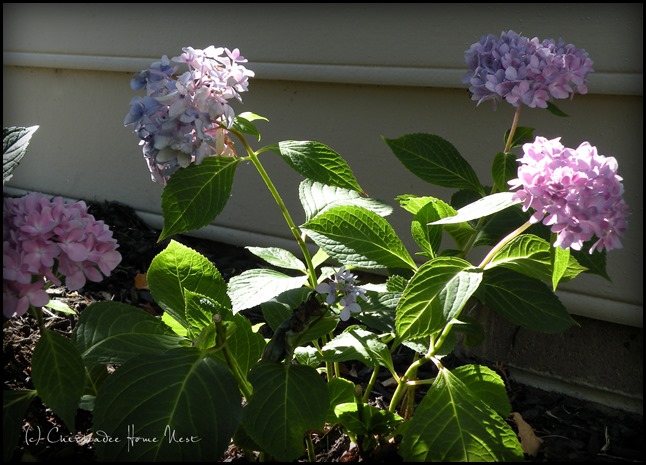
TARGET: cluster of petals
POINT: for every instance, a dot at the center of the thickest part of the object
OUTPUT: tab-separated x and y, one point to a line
342	287
525	71
576	192
45	240
183	119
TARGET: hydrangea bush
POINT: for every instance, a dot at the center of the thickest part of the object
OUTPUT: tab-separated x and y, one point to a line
204	373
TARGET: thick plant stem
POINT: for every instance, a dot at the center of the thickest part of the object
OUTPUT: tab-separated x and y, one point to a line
253	156
371	384
311	454
512	131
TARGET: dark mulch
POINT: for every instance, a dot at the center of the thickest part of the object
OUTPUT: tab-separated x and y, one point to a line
571	430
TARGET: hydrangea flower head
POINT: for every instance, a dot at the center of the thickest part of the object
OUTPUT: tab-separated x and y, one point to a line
525	71
183	119
576	192
45	241
342	287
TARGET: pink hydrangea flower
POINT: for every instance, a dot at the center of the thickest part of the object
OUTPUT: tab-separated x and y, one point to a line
342	286
525	71
183	119
48	241
576	192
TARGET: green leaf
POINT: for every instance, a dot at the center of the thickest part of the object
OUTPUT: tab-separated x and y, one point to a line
434	160
58	374
316	197
308	356
524	301
14	407
521	136
480	208
200	310
177	268
254	287
451	424
245	344
342	391
186	402
378	312
366	419
288	402
113	332
560	264
358	344
195	195
14	146
486	385
595	263
358	237
435	295
319	163
278	257
60	307
503	169
555	110
428	237
499	225
531	255
243	123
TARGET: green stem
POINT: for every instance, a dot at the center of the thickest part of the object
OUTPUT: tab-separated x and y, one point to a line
492	253
221	339
298	235
401	385
512	131
371	384
311	454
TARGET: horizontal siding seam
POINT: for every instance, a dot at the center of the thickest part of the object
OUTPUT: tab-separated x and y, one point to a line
601	83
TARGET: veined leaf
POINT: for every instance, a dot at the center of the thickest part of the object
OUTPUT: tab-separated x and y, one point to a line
530	255
288	402
486	385
355	343
362	419
254	287
113	332
503	169
358	237
560	264
452	424
434	160
245	344
341	391
524	301
316	197
243	123
59	375
14	147
318	162
480	208
278	257
179	406
521	136
177	268
434	295
195	195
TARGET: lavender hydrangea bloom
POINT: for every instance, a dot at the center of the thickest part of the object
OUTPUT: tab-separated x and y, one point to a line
181	120
342	285
524	71
576	192
45	240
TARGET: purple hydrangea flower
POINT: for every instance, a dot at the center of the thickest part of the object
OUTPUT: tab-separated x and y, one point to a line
576	192
524	71
342	286
45	241
181	120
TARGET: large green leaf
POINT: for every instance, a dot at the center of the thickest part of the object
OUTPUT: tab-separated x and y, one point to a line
358	237
524	301
480	208
58	374
452	424
429	237
14	406
342	391
316	197
365	419
435	295
278	257
435	160
486	385
14	146
195	195
179	406
254	287
113	332
355	343
319	163
244	343
289	401
177	268
530	255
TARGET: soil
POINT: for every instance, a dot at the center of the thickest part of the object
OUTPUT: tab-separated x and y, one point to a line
569	429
